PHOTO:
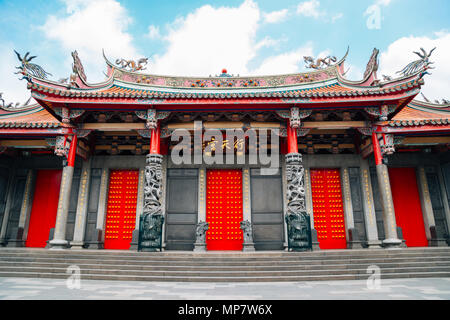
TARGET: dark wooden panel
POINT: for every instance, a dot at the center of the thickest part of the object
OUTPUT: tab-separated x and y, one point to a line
181	204
267	210
14	215
437	203
377	203
357	204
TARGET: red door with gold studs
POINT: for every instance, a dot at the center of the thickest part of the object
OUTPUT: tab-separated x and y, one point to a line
121	209
328	208
224	209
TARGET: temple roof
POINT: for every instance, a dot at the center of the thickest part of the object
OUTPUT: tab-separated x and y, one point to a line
323	86
33	116
422	113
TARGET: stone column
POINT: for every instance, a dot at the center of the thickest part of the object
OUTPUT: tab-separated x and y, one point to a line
9	200
247	212
201	205
101	210
82	207
353	242
370	219
25	211
427	209
297	219
310	209
153	220
59	239
390	225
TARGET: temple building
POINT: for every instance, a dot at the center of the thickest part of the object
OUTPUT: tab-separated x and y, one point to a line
316	160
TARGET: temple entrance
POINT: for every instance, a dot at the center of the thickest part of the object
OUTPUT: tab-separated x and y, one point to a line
44	208
408	210
121	209
224	209
328	208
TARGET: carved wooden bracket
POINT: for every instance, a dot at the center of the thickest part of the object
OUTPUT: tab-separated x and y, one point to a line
382	112
67	114
152	116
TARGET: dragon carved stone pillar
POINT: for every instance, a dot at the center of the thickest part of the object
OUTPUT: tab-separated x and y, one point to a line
152	219
297	218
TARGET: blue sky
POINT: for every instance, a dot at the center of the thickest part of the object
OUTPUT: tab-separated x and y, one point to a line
201	37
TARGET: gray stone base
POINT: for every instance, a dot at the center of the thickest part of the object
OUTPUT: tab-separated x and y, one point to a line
374	244
355	245
77	245
200	247
248	247
315	240
58	244
134	240
392	243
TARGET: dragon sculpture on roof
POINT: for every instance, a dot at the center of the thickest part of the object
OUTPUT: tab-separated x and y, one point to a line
30	68
320	63
131	65
418	65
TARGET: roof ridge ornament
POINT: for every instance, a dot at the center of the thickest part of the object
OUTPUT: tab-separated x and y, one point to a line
12	105
28	68
372	65
131	65
419	65
320	63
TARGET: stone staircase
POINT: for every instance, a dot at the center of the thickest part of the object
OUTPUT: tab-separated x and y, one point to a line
225	266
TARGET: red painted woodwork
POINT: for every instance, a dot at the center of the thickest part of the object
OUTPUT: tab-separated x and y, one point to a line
155	140
72	151
292	139
121	209
376	149
224	209
44	207
328	208
408	210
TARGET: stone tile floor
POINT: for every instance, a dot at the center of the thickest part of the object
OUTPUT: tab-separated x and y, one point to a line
390	289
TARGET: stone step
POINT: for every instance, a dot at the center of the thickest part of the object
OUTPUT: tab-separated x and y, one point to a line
228	279
226	254
201	262
287	257
225	266
230	274
246	267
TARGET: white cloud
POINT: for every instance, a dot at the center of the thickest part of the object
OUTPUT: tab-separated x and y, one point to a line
383	2
153	32
309	9
204	42
89	27
275	16
336	17
289	62
400	53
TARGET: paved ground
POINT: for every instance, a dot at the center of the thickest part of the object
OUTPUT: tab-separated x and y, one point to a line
397	289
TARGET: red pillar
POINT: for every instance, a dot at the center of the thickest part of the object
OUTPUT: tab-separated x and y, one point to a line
292	143
72	151
376	149
155	140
